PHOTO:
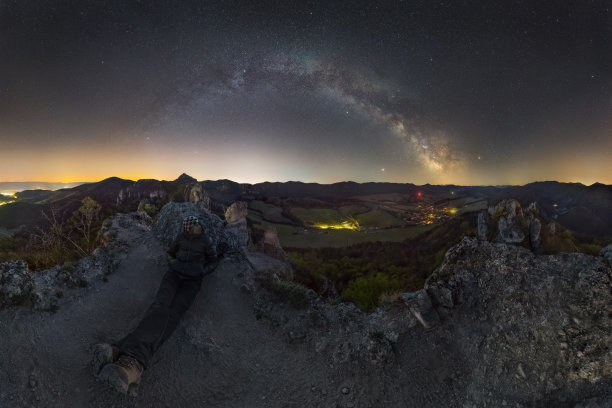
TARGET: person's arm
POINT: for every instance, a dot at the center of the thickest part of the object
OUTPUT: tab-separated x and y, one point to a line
212	260
174	247
211	252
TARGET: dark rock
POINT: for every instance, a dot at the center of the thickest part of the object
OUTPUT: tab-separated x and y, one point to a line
541	323
238	211
535	226
482	226
420	306
169	223
16	283
235	216
606	252
270	245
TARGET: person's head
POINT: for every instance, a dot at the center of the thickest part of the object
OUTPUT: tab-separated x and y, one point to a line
191	224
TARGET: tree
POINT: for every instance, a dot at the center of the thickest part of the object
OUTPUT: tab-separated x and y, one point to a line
85	218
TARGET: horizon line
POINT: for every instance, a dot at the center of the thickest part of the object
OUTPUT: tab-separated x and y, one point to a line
76	183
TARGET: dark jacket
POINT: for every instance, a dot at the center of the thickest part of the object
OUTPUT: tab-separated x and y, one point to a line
194	256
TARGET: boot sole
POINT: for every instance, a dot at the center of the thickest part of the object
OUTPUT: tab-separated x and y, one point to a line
113	376
102	354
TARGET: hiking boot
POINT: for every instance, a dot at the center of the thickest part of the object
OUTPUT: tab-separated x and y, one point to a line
103	353
123	374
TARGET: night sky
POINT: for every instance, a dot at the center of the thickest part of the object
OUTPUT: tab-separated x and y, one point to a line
441	92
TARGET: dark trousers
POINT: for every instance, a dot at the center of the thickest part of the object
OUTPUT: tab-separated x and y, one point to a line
173	298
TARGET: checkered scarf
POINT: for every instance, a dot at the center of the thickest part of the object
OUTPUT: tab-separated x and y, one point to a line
189	221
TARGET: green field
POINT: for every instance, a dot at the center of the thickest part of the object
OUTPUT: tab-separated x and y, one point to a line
268	211
353	210
472	206
299	237
316	215
365	217
379	218
342	238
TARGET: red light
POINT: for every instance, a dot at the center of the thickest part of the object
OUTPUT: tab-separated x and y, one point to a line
419	194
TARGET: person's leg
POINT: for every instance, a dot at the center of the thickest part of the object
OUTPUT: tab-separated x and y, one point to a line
185	296
142	342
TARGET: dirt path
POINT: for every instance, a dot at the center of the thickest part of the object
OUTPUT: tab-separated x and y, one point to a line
219	356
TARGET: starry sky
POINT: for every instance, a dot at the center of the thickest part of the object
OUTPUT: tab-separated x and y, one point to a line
441	92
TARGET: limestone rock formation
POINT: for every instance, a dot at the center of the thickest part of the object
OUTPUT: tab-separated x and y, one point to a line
606	252
536	327
236	212
15	283
235	216
169	223
482	226
44	290
510	219
144	189
535	226
511	225
270	245
194	193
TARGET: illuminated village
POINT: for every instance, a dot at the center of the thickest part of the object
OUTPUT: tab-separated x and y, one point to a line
7	198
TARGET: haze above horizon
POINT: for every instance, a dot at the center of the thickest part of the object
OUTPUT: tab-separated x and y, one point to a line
476	93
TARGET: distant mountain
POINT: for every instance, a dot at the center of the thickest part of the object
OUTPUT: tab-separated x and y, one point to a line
10	187
584	209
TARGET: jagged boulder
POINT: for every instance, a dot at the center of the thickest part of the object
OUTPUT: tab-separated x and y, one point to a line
606	252
535	226
169	224
509	221
483	230
195	194
420	306
235	216
238	211
270	245
15	283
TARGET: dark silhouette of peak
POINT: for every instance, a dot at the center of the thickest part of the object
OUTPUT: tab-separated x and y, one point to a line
111	183
185	178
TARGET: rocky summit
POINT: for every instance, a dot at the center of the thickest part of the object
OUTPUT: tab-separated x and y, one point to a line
532	329
495	325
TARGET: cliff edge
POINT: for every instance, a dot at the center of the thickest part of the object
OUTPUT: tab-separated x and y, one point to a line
495	325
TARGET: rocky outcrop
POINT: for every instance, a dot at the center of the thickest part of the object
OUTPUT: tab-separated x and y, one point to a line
535	327
270	245
15	283
145	189
500	325
235	216
606	252
169	223
238	211
47	289
509	221
194	193
535	227
483	230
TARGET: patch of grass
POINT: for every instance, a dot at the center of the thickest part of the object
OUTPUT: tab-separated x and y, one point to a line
316	215
591	249
293	293
365	291
268	211
352	210
296	238
379	218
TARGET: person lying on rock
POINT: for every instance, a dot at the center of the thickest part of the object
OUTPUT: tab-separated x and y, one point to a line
192	255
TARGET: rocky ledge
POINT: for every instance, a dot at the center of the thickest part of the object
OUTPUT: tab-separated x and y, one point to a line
518	329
